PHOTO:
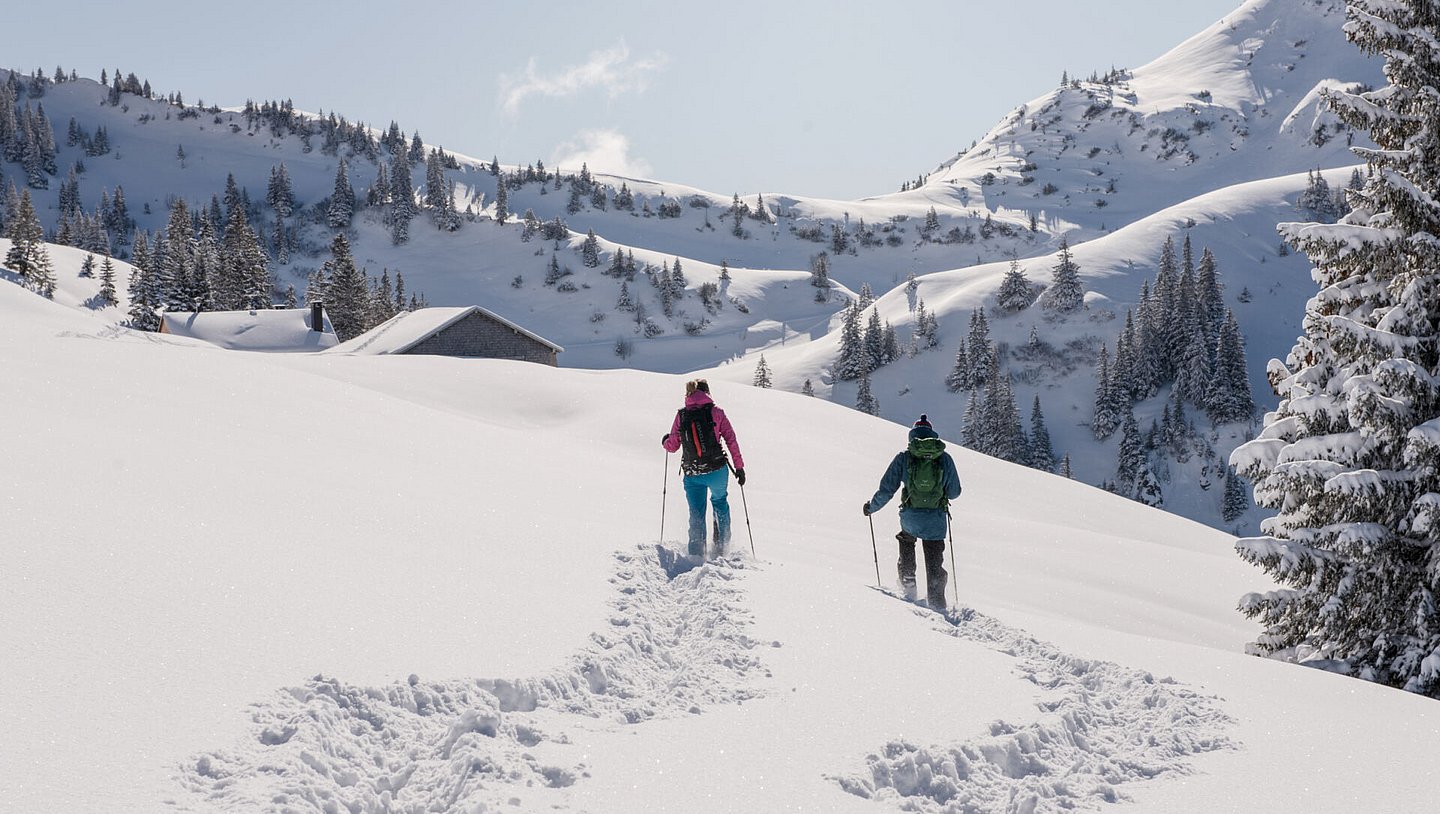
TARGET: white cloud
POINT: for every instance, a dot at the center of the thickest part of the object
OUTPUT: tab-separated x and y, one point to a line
611	71
605	151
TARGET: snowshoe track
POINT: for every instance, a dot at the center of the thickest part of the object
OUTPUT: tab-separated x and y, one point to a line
676	644
1101	726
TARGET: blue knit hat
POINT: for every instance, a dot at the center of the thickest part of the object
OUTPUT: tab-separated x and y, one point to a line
922	429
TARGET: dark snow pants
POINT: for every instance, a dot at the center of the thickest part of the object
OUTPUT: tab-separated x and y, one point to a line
936	577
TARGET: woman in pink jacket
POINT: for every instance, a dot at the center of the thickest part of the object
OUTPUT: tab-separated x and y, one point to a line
697	432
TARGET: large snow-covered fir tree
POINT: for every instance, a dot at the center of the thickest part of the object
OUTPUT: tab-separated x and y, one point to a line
1351	457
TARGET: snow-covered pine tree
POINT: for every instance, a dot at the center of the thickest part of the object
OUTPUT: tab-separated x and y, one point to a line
874	341
502	199
973	432
401	198
244	275
867	296
678	283
1004	436
762	374
761	212
1316	202
144	289
378	193
932	223
808	388
624	302
980	348
820	276
665	287
382	299
891	343
279	193
1234	503
1228	397
1015	294
590	250
118	221
1147	486
1350	459
207	268
435	187
1131	456
577	200
926	334
347	292
851	362
1165	313
1065	293
1148	350
1042	454
865	401
1106	419
1210	302
959	378
27	255
1065	470
1123	368
107	283
342	199
177	259
1194	369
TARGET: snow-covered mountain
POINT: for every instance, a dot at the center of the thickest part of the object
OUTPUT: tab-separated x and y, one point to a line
1212	141
240	582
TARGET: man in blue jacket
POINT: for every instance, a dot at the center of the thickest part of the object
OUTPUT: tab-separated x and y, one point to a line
930	482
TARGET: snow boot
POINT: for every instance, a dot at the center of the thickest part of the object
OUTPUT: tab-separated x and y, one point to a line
906	566
936	577
717	550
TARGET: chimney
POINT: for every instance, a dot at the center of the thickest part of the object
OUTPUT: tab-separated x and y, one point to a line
317	316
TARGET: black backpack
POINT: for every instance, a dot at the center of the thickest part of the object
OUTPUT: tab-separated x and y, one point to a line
700	449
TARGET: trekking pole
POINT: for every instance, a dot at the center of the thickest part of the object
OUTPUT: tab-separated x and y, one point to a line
873	550
954	574
664	493
747	518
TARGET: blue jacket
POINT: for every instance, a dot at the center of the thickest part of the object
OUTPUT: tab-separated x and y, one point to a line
927	524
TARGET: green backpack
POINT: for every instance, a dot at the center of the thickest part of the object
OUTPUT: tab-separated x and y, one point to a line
924	475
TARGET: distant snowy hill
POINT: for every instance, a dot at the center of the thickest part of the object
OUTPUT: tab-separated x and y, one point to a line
1211	141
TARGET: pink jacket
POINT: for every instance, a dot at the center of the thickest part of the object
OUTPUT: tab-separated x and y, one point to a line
722	428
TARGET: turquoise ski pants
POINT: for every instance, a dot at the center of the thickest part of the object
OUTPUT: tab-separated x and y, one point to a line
716	484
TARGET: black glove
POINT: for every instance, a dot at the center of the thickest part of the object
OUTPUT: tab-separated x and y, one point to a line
740	476
665	437
866	508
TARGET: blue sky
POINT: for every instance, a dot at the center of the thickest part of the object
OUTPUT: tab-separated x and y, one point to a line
838	99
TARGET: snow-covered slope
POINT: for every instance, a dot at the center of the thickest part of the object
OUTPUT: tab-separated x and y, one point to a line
1219	131
238	582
